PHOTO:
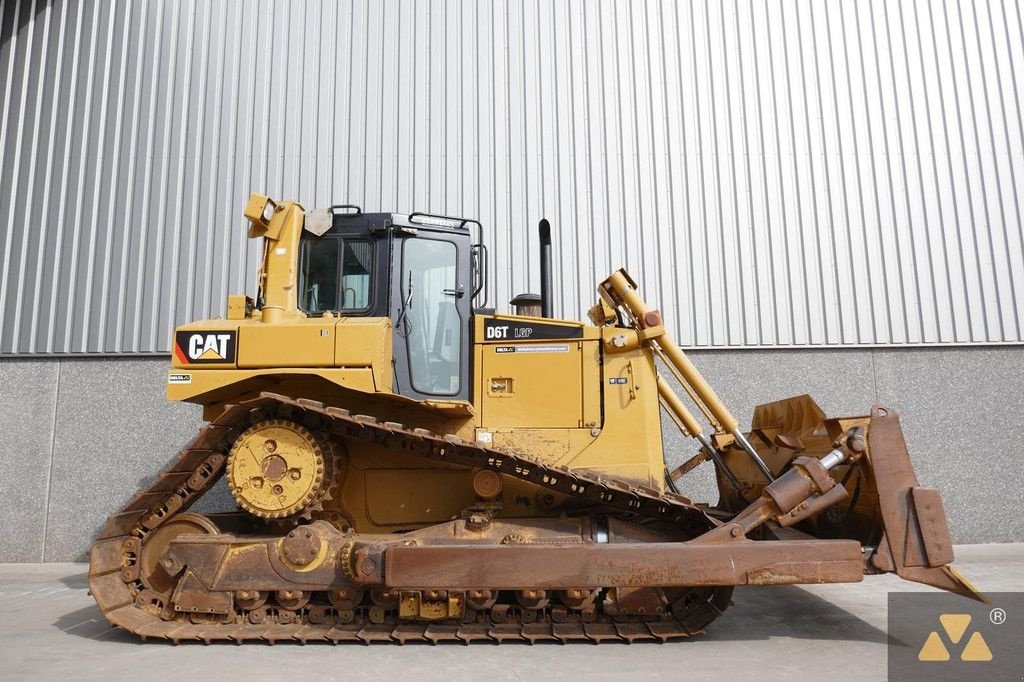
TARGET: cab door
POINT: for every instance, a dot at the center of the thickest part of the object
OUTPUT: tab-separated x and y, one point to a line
431	309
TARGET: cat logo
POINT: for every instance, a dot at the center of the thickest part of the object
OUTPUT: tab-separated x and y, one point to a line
955	625
199	347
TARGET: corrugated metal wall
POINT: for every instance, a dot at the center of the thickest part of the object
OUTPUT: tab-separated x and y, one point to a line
774	174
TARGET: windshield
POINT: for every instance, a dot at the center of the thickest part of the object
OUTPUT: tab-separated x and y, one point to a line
335	274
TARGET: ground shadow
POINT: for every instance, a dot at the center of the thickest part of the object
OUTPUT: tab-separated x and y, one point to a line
88	623
789	611
76	581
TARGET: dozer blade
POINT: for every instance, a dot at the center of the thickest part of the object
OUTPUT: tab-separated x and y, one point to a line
916	543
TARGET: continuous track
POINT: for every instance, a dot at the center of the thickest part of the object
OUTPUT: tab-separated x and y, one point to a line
115	573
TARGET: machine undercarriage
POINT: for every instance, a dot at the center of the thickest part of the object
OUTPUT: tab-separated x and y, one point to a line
625	564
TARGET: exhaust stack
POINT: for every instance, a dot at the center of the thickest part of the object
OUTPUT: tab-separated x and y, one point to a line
545	268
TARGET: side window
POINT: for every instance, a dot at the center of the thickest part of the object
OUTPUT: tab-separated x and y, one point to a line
319	280
355	275
335	275
431	321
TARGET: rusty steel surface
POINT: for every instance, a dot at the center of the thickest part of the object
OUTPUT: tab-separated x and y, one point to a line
916	533
663	564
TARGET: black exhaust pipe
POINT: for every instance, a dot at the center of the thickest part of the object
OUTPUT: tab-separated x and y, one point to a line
545	268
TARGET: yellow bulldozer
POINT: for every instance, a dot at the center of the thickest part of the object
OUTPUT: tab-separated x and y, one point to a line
409	465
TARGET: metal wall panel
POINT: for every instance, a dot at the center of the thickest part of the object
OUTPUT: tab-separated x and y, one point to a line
772	173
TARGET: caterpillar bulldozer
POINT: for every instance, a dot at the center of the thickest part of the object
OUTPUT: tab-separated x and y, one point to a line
409	465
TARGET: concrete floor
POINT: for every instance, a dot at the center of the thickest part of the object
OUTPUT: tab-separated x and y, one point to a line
52	630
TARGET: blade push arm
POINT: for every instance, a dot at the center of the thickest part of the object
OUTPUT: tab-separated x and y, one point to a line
908	522
619	292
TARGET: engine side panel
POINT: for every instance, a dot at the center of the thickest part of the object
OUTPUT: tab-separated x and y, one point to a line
545	387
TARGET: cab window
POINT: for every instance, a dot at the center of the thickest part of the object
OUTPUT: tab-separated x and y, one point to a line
335	274
431	321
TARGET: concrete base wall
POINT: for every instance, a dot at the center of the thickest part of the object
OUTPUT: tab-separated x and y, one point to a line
78	437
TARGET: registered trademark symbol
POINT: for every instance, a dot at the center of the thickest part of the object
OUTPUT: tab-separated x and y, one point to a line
997	616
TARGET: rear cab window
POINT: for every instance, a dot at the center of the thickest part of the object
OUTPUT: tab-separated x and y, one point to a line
336	275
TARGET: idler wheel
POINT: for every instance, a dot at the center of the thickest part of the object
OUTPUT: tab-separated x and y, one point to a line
153	574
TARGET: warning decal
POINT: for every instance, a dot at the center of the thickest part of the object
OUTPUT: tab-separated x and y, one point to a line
532	349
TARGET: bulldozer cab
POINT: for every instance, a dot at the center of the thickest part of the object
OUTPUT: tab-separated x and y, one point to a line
421	271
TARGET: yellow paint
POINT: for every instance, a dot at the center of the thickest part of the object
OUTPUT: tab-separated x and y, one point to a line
289	347
266	345
214	385
239	306
933	649
281	228
365	342
276	468
955	625
396	497
976	649
628	445
542	389
622	290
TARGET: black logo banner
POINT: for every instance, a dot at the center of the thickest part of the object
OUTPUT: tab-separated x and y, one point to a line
515	330
205	347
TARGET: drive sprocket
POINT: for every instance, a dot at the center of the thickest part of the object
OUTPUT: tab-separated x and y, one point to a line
278	468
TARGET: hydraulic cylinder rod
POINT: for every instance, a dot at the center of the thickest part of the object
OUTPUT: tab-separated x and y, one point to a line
687	421
689	426
624	292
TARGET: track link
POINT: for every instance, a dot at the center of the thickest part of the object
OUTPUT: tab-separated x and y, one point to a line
114	568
